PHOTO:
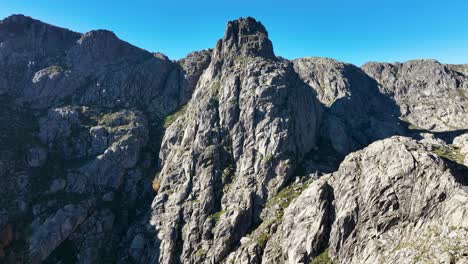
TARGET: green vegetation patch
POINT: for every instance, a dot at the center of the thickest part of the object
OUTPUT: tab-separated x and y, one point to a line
241	60
449	152
215	87
216	216
410	126
322	258
201	252
262	239
287	194
173	117
53	69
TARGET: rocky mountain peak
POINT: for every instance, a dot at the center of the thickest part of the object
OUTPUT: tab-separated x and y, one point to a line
16	18
18	24
104	47
21	33
246	37
19	19
99	34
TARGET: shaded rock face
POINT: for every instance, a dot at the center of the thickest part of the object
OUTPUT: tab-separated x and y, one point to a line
47	66
48	197
249	123
356	113
431	96
77	113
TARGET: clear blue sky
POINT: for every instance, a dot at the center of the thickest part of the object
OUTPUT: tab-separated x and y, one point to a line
353	31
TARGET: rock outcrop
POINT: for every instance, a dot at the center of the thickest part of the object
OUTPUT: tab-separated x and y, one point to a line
249	123
431	96
397	202
461	143
356	113
393	202
77	113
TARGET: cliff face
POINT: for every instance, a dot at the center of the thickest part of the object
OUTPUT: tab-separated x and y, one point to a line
78	112
431	95
249	123
112	154
356	113
45	66
393	202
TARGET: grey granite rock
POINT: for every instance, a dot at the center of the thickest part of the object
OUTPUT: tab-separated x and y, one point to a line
397	202
461	142
36	156
305	228
250	120
431	95
95	68
392	202
93	239
356	113
54	230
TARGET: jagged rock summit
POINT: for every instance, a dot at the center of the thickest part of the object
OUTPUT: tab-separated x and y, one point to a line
246	37
113	154
249	123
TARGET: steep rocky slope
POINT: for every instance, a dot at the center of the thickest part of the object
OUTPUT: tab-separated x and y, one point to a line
112	154
431	95
249	123
356	113
48	66
77	114
393	202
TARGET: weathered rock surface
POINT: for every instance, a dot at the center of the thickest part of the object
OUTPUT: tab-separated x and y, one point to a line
461	142
62	189
431	95
77	112
305	228
393	202
356	113
250	121
397	202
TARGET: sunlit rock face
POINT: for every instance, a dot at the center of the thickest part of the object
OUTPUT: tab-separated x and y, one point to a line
431	96
249	123
392	202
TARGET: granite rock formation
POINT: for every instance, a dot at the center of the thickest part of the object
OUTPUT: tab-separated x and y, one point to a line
431	95
249	123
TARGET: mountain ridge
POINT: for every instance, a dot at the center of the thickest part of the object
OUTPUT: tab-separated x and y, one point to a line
28	18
